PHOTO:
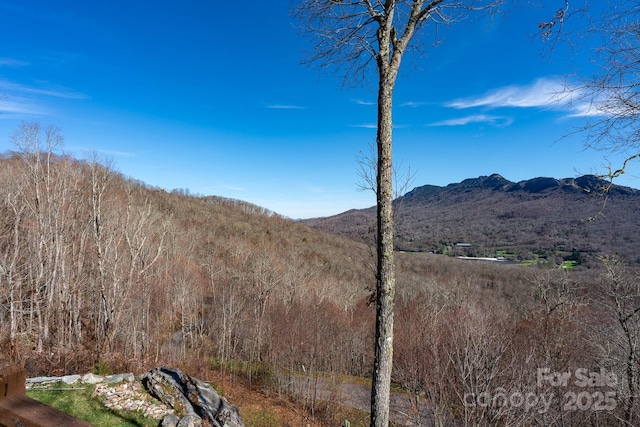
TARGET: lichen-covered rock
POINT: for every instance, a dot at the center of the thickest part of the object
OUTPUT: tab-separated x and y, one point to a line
170	420
190	420
190	396
119	378
92	379
165	385
70	379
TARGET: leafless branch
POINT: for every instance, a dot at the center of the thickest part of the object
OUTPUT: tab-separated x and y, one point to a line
343	34
368	170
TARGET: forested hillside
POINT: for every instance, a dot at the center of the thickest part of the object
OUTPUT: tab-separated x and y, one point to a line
544	219
97	269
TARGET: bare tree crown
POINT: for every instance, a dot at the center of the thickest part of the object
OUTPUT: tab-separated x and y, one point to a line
346	35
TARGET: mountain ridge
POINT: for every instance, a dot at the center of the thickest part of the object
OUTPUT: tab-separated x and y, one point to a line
541	217
584	183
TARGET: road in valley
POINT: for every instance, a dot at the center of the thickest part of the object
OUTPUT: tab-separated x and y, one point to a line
358	396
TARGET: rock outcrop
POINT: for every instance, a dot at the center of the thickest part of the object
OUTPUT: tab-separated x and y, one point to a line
120	392
194	401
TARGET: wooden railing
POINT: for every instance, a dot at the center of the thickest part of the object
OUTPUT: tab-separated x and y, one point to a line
18	410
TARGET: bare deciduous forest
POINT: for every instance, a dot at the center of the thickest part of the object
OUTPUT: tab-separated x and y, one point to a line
98	269
543	219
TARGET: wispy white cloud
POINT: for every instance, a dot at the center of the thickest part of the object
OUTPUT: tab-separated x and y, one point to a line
403	104
11	108
603	103
19	100
375	126
500	121
52	91
412	104
365	126
588	109
543	93
285	107
362	102
11	62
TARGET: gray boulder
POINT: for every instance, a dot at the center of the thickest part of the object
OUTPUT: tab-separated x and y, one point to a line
190	420
191	397
92	378
70	379
117	378
170	420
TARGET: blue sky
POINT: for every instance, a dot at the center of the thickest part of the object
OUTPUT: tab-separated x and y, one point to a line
211	96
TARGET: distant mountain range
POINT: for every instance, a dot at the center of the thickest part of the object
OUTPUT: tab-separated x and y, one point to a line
545	219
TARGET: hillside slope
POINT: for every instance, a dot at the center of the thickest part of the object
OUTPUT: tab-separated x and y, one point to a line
99	268
99	271
538	218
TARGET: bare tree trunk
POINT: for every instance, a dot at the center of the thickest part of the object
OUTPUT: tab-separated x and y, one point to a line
346	33
620	296
385	285
9	269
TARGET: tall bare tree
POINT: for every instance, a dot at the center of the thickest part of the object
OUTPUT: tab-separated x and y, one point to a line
351	35
619	295
11	274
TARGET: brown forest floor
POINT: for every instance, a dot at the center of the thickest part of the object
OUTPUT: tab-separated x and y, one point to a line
261	407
